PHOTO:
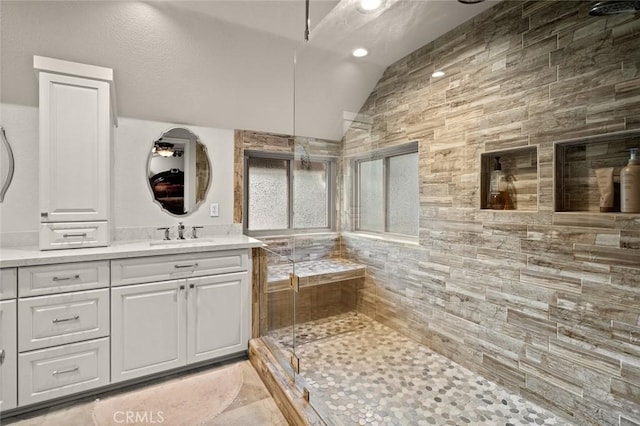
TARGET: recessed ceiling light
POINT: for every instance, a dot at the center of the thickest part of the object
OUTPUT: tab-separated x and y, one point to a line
360	52
437	74
369	5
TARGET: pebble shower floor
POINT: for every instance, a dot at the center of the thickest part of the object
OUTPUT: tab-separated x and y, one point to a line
359	371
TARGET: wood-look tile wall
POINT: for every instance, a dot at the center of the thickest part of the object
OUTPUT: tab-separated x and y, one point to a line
545	303
273	142
275	309
312	303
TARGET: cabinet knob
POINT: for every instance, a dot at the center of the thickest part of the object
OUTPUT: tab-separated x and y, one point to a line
2	355
182	287
44	214
192	285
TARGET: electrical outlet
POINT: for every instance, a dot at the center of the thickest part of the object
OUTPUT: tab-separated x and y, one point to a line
214	210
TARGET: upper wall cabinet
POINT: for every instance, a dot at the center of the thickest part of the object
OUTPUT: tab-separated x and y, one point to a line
77	117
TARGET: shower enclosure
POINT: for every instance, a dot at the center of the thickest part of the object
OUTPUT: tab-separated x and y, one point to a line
352	210
392	273
315	289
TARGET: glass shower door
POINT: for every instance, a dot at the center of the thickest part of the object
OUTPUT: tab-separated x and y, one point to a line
330	88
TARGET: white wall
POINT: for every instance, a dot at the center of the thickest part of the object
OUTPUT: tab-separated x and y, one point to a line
132	200
19	210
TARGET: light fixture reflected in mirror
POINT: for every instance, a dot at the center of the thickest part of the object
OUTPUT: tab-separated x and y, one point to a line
164	149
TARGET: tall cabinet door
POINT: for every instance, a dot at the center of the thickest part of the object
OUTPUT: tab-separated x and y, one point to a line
148	329
74	149
8	356
218	316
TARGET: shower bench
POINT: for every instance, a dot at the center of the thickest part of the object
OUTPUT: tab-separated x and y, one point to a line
313	272
327	287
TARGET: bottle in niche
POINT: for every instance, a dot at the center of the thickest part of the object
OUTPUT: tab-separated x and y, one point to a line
497	187
630	184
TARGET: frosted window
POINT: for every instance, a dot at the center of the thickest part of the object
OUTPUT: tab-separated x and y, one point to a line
403	197
268	194
285	194
310	195
371	201
387	194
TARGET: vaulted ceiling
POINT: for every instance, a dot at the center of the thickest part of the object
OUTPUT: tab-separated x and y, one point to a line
226	64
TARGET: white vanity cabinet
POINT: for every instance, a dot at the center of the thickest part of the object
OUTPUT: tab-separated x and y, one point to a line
75	149
186	309
74	322
63	329
8	339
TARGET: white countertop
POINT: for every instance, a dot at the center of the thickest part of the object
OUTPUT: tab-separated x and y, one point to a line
28	256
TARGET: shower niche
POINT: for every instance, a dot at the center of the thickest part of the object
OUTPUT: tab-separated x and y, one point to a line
576	162
509	179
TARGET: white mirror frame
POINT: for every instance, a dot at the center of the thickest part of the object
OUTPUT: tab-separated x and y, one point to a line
6	179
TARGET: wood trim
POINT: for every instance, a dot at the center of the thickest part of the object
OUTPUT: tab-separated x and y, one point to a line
238	174
287	396
263	300
259	305
255	292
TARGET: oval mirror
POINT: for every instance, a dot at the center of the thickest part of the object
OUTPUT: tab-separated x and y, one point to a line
179	171
6	164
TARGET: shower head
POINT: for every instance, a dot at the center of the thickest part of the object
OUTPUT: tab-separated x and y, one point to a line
613	7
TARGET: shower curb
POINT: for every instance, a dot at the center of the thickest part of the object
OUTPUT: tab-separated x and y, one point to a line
287	396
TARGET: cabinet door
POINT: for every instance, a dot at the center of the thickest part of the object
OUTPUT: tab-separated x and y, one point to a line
74	149
8	283
218	316
148	329
8	356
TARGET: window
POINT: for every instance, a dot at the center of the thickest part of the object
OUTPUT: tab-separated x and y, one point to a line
287	194
386	195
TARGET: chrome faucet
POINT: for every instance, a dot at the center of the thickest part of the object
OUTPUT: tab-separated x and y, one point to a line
194	231
166	232
180	231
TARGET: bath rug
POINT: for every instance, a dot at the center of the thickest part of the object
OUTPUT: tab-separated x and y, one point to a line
190	400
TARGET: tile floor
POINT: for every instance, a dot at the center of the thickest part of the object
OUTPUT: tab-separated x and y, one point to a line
361	372
252	406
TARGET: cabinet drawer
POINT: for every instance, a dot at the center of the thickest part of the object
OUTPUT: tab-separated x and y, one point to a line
62	318
49	279
63	370
55	236
8	283
160	268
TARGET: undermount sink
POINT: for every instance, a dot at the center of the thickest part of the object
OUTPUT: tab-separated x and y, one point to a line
185	242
